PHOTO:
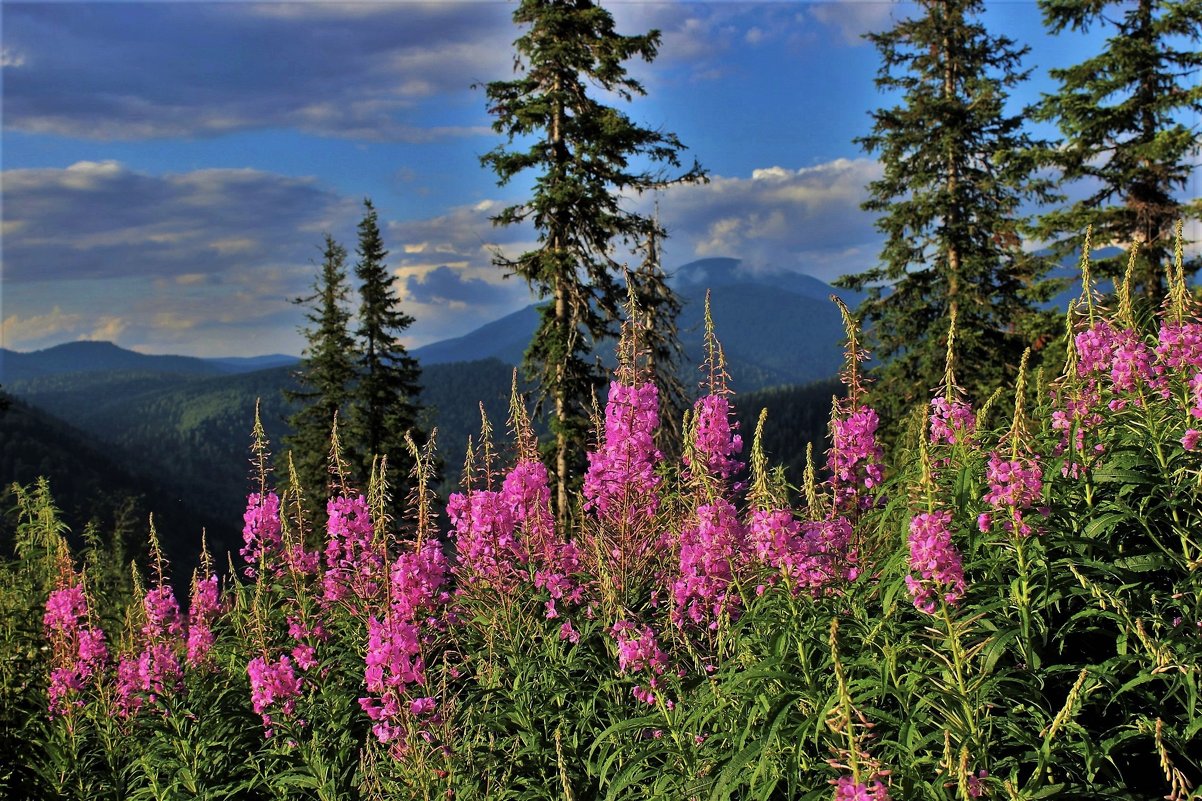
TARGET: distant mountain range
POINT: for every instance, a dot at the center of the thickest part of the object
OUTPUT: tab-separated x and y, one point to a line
775	327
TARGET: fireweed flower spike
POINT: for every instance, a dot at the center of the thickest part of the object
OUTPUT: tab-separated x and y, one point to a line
78	652
261	531
1015	484
854	457
354	566
273	685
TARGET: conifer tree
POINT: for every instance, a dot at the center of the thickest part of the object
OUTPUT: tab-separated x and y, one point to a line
948	204
660	306
327	372
1128	137
586	156
385	399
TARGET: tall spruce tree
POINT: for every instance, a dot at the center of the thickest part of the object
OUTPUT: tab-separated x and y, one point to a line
948	204
586	155
327	372
385	399
1128	137
660	306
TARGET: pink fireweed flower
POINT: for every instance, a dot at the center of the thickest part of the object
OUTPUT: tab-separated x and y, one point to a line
273	685
639	652
710	552
1015	485
1195	394
78	653
1123	356
952	421
855	458
354	565
526	491
716	442
156	670
204	608
813	555
261	531
620	485
1190	440
1095	349
1179	346
395	667
848	789
486	538
936	560
129	686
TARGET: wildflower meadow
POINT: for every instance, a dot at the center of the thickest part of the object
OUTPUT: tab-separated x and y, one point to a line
1011	608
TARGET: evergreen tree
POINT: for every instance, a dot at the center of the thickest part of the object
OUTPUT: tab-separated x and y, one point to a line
326	375
582	151
1125	117
385	399
948	203
660	306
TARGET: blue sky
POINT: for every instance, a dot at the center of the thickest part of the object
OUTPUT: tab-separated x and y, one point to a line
169	168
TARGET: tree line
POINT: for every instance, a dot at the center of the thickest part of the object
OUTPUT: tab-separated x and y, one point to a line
961	173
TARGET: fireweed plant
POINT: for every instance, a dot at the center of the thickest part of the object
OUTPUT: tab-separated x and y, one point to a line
1008	611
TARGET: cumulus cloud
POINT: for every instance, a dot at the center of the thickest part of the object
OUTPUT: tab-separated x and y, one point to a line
364	71
806	219
854	18
105	220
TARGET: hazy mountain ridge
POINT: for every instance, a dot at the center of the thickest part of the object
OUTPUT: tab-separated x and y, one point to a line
776	327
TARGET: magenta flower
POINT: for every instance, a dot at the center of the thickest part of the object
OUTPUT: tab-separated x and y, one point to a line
813	555
1190	440
1179	346
855	458
78	653
1015	486
354	565
710	552
204	608
485	535
936	560
848	789
395	665
621	486
639	652
273	685
716	442
952	421
261	531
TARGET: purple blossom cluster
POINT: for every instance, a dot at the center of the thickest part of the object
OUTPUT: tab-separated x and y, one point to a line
621	486
848	789
354	565
1123	357
952	421
1179	346
855	458
639	652
396	668
261	531
936	560
813	555
710	552
78	651
485	534
1015	485
154	671
716	442
203	609
273	685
